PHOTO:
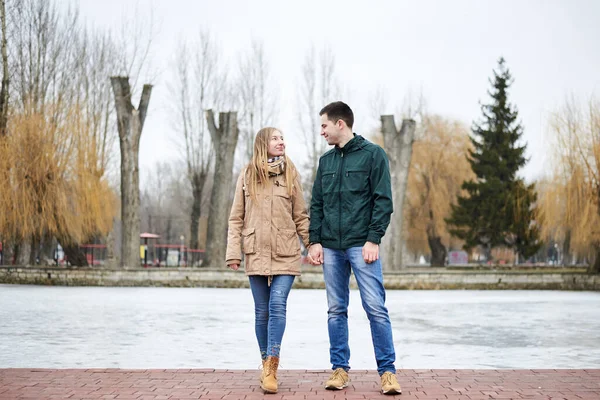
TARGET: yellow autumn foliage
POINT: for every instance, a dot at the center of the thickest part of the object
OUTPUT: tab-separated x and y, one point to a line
570	197
438	168
52	180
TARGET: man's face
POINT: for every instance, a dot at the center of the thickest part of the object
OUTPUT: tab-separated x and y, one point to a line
330	131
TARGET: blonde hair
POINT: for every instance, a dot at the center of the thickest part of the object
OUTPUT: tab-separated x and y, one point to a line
257	169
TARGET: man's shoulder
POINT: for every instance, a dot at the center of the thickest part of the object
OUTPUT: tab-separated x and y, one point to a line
374	149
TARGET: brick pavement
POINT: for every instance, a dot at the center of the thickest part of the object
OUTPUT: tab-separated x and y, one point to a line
94	384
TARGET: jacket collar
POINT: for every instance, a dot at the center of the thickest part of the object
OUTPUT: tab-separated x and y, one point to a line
353	144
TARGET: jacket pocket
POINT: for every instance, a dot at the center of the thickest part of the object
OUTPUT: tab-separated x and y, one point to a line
249	240
287	242
328	182
280	190
357	180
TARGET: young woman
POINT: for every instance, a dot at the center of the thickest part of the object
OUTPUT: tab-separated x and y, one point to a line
267	216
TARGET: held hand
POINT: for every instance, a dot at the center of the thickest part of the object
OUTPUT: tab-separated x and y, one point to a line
234	267
315	254
370	252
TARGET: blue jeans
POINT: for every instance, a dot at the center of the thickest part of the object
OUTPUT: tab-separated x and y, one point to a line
369	277
270	303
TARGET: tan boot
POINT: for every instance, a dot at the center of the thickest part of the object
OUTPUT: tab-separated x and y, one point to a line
389	384
338	380
262	371
269	382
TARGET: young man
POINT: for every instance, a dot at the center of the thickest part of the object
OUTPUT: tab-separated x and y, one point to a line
350	211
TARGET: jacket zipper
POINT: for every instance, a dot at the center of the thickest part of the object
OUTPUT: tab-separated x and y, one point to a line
341	174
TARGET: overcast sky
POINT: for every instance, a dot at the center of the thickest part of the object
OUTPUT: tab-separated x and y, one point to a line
444	49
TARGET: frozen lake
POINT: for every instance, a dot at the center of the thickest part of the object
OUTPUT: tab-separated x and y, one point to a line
95	327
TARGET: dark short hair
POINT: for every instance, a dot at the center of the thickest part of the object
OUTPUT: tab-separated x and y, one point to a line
338	110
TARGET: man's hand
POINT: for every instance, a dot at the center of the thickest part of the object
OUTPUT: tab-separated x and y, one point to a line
234	267
315	254
370	252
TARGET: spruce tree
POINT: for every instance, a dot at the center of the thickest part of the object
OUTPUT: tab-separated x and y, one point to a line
497	208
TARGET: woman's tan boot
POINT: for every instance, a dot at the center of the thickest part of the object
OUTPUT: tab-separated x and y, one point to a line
269	382
262	372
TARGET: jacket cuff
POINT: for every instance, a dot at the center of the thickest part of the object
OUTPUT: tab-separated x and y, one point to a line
230	262
373	238
314	239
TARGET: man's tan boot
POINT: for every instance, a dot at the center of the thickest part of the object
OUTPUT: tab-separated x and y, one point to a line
269	382
389	384
338	380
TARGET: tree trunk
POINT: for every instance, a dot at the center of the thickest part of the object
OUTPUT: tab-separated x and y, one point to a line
34	250
438	250
566	256
7	252
487	251
198	181
594	267
16	253
224	140
130	125
398	145
110	247
47	250
5	75
75	256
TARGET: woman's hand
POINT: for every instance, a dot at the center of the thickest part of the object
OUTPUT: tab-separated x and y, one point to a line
315	254
234	267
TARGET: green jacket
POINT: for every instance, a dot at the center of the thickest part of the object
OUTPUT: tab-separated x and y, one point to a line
351	196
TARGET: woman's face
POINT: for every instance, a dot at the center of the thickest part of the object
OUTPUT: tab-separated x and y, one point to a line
276	145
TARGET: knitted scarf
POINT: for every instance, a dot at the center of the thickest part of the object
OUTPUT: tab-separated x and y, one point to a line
276	165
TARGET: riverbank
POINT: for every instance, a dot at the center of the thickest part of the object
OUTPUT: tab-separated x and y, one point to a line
425	278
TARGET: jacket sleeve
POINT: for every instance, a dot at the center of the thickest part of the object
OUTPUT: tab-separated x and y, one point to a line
381	193
236	223
316	209
299	212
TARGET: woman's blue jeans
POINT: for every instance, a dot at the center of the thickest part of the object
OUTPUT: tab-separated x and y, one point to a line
270	305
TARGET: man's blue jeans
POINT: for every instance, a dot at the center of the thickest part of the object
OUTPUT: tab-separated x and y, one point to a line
270	304
336	270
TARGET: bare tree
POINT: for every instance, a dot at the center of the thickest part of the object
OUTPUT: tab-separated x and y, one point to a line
133	59
130	122
96	59
134	47
164	202
199	83
257	97
4	93
318	88
224	139
398	145
44	56
378	102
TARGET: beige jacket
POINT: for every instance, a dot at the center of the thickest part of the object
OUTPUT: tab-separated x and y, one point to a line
267	230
